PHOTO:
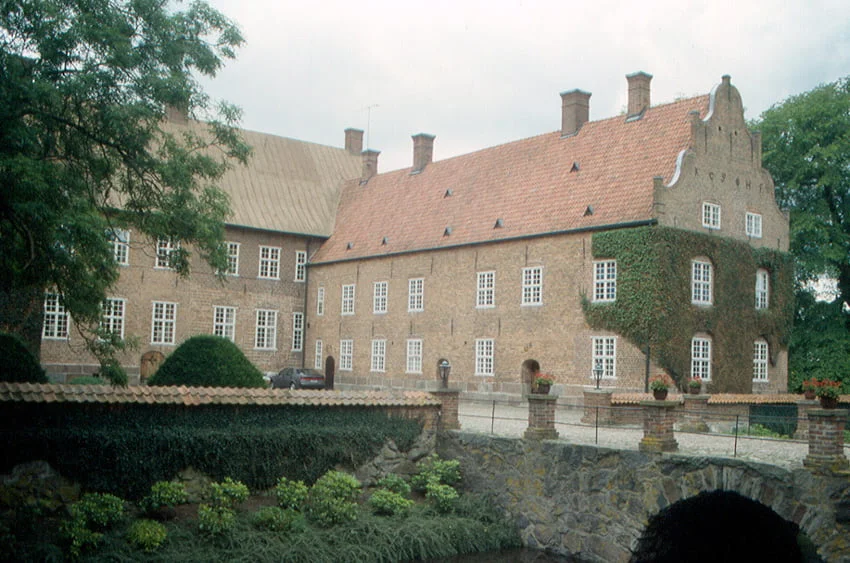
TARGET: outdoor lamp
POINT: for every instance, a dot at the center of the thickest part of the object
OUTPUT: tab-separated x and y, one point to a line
597	372
445	369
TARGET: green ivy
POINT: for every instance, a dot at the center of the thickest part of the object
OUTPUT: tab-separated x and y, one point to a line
653	307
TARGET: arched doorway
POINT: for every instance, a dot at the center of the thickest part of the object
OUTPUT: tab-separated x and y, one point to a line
530	368
330	370
149	363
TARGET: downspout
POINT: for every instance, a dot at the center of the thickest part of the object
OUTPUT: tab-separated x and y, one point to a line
306	324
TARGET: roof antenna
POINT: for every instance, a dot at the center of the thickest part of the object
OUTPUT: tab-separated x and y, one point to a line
369	120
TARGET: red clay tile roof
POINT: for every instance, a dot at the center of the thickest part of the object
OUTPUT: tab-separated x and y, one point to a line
528	184
191	396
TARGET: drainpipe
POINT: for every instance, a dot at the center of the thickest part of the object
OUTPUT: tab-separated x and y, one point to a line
306	324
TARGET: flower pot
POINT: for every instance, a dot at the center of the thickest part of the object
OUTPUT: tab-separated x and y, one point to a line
542	389
694	390
829	402
659	394
809	394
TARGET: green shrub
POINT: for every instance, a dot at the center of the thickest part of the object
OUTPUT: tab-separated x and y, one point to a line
434	469
98	510
228	493
208	361
332	499
165	494
215	520
79	536
290	494
387	503
395	483
275	519
146	535
88	380
113	372
18	365
443	497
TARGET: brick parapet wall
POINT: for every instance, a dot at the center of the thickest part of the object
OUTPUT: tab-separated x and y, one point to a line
597	406
826	440
658	420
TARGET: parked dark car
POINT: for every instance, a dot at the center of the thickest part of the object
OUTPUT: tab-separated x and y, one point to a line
298	378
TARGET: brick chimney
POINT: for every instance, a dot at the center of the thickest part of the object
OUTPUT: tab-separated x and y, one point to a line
354	140
370	163
423	151
638	93
575	111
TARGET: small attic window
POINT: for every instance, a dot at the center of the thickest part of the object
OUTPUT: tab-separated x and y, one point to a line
575	167
449	193
447	232
349	246
384	241
499	224
588	211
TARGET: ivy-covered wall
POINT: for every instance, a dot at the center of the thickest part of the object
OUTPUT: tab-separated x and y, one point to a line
653	306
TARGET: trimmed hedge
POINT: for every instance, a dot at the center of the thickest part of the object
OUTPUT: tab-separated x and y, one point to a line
208	361
18	365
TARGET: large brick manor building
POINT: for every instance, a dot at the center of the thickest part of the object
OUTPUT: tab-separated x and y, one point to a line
491	260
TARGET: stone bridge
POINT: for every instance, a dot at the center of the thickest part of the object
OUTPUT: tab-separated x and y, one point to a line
595	502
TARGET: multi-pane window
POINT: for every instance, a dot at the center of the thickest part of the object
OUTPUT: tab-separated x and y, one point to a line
265	335
317	363
710	215
762	289
414	356
269	262
297	332
485	296
224	321
753	225
164	322
605	280
379	297
165	248
532	285
346	355
700	282
300	266
348	299
320	301
120	246
416	295
484	348
605	356
112	317
701	358
55	317
232	259
379	351
760	361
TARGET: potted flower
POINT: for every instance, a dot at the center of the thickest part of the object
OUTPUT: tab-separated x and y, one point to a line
694	385
542	383
809	388
827	391
660	385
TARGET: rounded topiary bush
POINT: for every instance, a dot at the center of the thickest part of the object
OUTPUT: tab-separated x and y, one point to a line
18	364
208	361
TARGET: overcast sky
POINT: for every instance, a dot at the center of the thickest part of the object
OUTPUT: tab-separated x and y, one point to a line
477	74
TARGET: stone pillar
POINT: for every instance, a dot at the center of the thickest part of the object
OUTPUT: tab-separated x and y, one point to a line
658	419
449	398
541	417
826	440
696	409
803	408
597	401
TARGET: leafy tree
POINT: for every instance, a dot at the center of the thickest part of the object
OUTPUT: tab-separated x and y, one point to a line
208	361
85	148
806	141
18	364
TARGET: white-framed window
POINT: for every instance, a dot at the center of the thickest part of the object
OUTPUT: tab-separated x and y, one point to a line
346	355
484	351
701	358
269	263
320	301
415	295
120	246
605	356
700	282
532	285
605	280
164	249
753	225
265	333
379	297
163	322
55	326
300	266
317	362
224	321
379	352
348	299
112	316
485	295
414	356
760	360
762	289
232	259
710	215
297	332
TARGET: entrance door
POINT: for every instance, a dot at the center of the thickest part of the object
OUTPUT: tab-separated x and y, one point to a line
329	372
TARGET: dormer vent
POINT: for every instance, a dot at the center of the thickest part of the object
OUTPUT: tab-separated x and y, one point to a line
384	241
349	246
449	193
575	167
447	232
499	223
588	211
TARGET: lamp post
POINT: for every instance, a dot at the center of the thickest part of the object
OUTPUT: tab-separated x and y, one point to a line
597	372
445	370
